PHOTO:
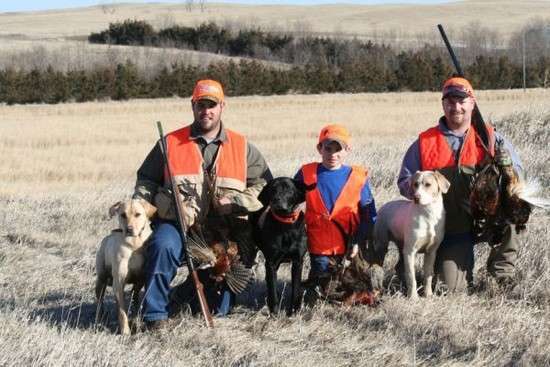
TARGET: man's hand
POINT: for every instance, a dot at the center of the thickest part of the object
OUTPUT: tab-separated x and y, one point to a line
352	252
223	206
503	158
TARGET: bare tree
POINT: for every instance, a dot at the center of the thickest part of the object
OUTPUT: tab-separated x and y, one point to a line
478	40
189	5
107	7
531	41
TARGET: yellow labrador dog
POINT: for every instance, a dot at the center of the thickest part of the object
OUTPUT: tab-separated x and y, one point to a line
417	226
120	258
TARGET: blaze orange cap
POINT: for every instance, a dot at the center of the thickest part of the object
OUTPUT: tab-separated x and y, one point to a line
208	89
458	87
337	133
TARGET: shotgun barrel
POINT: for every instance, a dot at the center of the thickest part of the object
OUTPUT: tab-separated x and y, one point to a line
477	119
205	310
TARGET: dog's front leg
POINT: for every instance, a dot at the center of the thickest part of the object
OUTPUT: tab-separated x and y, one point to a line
271	283
119	279
409	273
294	306
429	262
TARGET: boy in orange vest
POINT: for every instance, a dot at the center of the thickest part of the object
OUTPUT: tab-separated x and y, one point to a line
340	210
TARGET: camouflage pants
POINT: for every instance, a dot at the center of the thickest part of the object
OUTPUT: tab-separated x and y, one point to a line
502	258
455	263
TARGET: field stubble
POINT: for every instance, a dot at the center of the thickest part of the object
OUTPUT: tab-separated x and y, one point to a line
64	165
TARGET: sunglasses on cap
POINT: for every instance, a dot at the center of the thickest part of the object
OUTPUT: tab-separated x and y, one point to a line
205	103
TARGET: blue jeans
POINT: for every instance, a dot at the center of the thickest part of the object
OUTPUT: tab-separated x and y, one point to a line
164	256
320	264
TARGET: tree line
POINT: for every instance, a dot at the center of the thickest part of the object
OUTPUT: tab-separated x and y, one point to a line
413	71
313	65
475	40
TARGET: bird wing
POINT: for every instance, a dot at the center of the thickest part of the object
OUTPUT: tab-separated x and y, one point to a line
238	277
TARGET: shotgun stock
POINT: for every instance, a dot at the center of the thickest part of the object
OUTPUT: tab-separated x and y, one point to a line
205	310
477	119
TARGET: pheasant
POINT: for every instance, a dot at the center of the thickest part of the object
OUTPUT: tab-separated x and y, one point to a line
222	259
499	198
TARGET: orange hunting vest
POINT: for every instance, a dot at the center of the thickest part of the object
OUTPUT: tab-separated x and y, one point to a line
435	152
324	236
186	160
436	155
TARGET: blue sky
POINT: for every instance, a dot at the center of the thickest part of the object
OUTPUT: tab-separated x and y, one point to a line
23	5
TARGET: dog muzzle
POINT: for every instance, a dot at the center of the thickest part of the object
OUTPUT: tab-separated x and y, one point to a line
288	219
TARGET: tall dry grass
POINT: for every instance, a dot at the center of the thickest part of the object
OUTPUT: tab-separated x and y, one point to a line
64	165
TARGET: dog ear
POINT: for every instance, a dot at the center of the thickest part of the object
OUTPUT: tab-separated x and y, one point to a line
265	195
303	188
150	209
443	183
113	210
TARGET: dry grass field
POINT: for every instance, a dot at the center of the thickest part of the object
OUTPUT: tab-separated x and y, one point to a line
64	165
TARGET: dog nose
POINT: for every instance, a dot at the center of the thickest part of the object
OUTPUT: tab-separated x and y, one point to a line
130	229
416	198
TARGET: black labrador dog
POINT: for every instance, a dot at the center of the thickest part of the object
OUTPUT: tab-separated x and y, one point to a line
279	231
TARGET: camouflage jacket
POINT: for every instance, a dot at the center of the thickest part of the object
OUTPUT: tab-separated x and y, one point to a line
150	176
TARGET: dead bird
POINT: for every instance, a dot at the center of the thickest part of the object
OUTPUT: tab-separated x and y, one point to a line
499	197
351	280
222	259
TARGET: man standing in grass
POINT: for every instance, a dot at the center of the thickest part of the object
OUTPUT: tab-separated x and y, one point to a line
453	148
204	157
340	210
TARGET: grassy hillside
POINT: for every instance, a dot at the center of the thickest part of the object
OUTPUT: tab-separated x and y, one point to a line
58	37
362	20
